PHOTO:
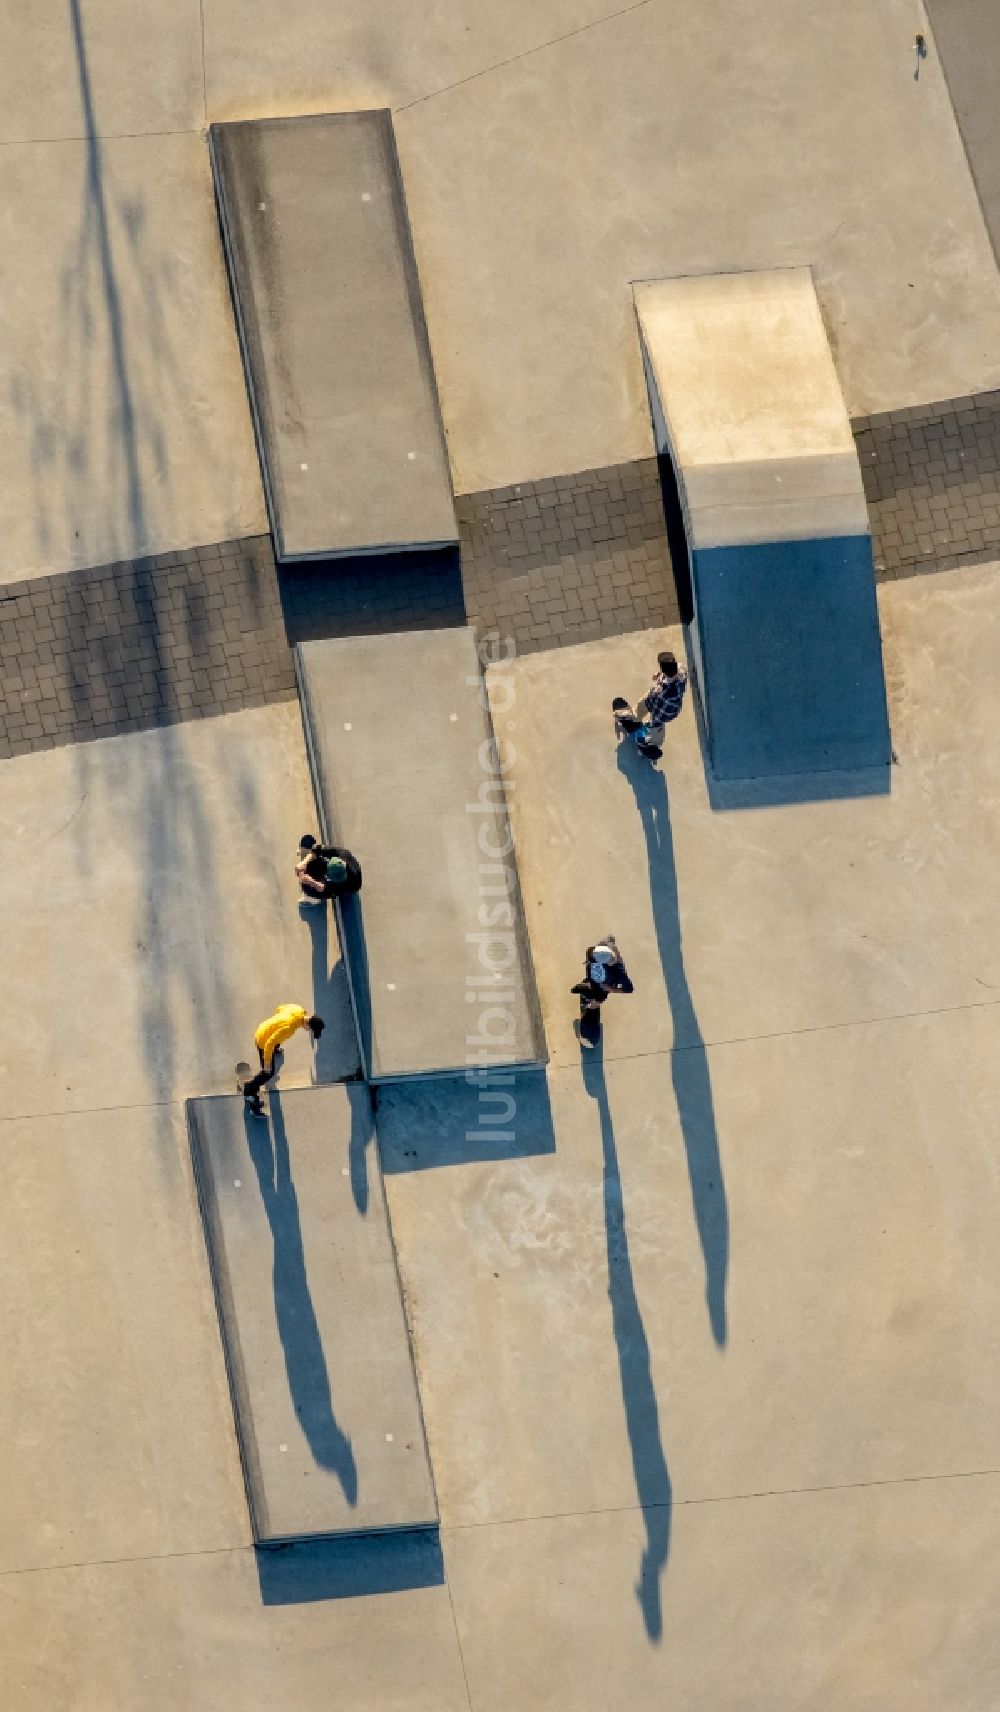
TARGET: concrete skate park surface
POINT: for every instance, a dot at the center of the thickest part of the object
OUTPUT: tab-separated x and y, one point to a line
306	1287
166	926
125	425
724	1345
328	304
406	777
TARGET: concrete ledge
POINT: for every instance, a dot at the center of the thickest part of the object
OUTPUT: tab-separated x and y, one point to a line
405	774
334	343
316	1343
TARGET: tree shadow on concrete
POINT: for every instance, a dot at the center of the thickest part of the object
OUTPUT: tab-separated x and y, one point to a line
126	628
642	1415
689	1068
305	1362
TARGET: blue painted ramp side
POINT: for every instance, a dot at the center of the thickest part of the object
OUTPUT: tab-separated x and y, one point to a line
791	657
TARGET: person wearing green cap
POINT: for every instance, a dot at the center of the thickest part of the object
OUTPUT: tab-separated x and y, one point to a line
324	872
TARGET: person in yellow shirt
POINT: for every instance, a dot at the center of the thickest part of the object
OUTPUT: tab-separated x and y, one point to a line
269	1038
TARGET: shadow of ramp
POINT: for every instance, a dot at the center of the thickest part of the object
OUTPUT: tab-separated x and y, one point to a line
370	593
453	1120
353	1568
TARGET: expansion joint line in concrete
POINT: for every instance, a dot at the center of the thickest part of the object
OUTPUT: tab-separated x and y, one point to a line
245	1549
789	1033
102	137
204	73
526	53
724	1498
458	1643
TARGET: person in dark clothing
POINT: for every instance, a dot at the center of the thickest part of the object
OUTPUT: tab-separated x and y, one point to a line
604	972
647	723
324	872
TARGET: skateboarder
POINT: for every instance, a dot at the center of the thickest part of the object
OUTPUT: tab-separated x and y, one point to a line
604	972
324	872
647	723
269	1038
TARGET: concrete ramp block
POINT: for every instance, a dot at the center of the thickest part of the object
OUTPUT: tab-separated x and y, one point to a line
784	636
406	775
331	324
315	1336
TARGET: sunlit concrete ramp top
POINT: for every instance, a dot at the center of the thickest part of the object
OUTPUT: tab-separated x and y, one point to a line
785	638
334	341
406	775
315	1335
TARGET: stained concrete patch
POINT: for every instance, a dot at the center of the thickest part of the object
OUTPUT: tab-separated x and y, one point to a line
317	1349
191	1634
118	1441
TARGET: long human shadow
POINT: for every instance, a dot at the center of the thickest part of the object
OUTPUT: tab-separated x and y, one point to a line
689	1069
305	1362
642	1414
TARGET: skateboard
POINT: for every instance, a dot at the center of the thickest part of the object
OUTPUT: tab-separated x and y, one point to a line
627	725
244	1073
590	1026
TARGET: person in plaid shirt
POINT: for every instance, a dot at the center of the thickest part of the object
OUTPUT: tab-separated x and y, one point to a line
648	722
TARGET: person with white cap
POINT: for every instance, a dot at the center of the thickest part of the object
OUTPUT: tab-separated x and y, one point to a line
604	973
324	872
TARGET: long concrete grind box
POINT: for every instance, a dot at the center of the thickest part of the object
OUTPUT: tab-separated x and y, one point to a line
335	347
405	774
785	635
315	1337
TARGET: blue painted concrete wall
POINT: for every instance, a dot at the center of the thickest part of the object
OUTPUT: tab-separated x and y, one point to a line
791	658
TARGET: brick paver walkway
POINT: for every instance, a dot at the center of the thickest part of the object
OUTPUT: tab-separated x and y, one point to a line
121	647
932	479
568	559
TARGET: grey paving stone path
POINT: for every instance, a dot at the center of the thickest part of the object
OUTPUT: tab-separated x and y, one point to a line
152	641
122	647
570	558
932	480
